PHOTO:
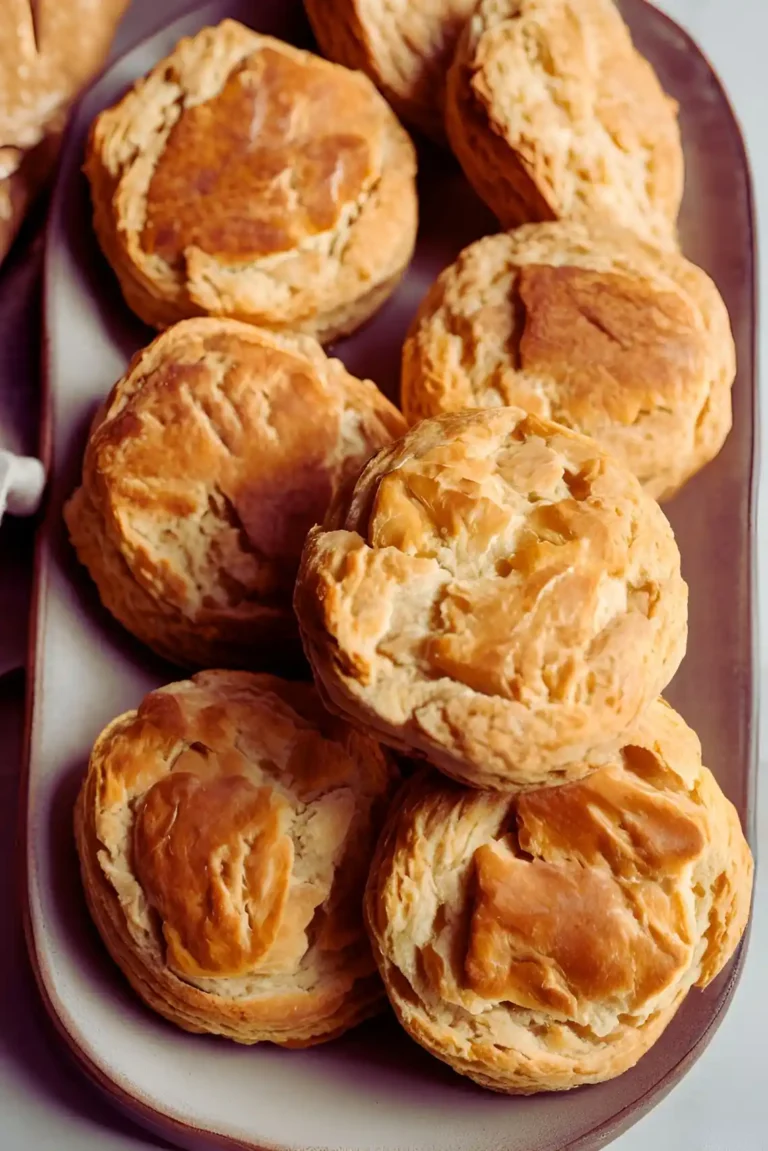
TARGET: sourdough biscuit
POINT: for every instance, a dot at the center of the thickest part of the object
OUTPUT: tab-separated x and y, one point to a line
224	832
405	46
543	941
209	462
496	594
552	113
246	178
588	326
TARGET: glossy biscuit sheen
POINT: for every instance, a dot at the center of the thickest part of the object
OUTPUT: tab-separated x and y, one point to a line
224	831
544	941
553	114
586	325
247	178
498	595
208	463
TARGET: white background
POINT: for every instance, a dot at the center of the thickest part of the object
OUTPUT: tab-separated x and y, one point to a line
722	1104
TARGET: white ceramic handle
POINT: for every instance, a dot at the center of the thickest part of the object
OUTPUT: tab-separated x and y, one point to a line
22	480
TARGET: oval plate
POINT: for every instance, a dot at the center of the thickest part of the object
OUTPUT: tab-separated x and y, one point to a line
372	1089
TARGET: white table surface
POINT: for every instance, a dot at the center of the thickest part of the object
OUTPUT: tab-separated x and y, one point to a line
722	1104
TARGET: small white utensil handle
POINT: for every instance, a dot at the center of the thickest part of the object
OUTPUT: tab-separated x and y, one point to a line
22	480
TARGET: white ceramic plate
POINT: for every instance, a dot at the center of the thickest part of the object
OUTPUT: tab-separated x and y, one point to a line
372	1089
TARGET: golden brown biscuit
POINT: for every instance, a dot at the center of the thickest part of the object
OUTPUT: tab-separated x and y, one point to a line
209	462
539	942
224	832
246	178
552	113
48	52
588	326
496	594
405	46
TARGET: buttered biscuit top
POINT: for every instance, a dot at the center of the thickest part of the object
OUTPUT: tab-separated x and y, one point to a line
224	831
247	178
498	595
279	155
545	941
586	325
209	462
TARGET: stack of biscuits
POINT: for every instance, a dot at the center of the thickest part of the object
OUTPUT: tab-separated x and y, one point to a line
423	753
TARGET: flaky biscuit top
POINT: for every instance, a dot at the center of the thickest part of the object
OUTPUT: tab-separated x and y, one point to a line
558	88
586	325
233	815
496	593
259	147
245	177
282	153
544	940
216	453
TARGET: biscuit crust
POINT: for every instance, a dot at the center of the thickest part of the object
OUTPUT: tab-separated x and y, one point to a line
249	179
49	52
543	941
210	460
405	46
586	325
496	594
224	832
553	113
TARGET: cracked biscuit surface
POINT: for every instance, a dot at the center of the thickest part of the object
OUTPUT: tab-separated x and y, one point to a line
496	594
405	46
586	325
553	113
246	178
224	831
210	460
542	941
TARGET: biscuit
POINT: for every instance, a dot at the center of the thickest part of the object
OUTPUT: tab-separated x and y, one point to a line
542	941
553	113
224	833
498	595
406	48
246	178
49	52
588	326
212	457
